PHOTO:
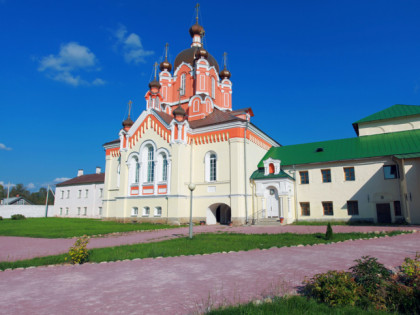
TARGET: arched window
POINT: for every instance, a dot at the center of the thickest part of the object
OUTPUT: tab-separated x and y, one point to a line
134	211
164	168
158	212
137	172
183	76
146	212
150	165
213	88
211	167
271	168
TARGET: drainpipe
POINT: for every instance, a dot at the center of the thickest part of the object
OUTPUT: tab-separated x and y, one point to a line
245	177
296	195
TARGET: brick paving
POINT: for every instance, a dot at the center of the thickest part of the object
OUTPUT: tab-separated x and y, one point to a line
185	285
16	248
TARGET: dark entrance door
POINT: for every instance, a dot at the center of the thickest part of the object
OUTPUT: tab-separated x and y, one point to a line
383	211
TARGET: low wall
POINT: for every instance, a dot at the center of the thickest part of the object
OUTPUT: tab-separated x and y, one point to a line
29	211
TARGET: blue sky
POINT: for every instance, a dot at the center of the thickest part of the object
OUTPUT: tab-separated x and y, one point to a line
307	68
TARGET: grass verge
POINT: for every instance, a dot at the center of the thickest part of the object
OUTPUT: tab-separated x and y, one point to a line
70	227
295	305
200	244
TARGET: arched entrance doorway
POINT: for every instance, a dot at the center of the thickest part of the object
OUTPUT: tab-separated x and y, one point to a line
218	213
273	204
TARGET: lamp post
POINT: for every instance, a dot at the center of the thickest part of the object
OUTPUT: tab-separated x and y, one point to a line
191	187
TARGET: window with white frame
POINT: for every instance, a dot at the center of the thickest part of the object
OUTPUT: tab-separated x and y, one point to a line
158	212
137	172
210	166
164	168
62	194
101	192
85	211
61	211
86	193
146	212
67	211
213	88
78	210
68	194
80	194
183	77
100	210
150	165
134	212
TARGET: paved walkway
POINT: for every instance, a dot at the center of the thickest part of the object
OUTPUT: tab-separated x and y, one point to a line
184	285
16	248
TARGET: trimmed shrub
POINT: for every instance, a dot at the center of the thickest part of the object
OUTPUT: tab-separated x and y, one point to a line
333	288
78	253
329	232
18	217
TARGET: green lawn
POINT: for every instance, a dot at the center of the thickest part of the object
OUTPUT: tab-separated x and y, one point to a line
295	305
69	227
200	244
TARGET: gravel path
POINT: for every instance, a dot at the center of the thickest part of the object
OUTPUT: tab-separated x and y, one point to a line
184	285
16	248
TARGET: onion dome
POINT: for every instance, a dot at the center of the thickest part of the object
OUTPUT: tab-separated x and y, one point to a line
196	29
179	111
225	74
201	52
188	56
154	84
165	65
127	123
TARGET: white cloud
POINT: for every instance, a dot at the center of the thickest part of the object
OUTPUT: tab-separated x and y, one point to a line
30	186
98	81
71	58
60	179
3	147
132	47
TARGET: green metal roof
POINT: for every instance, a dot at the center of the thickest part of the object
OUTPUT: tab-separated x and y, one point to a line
408	156
394	111
404	142
259	174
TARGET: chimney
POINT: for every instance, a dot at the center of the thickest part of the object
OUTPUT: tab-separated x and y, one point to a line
98	170
79	173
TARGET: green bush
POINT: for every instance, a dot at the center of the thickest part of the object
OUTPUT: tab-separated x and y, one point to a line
370	274
333	288
78	253
1	218
329	232
18	217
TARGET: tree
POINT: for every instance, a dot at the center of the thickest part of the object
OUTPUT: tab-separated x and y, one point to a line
2	193
20	190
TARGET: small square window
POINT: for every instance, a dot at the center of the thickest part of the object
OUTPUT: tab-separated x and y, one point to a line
305	207
349	174
352	207
326	176
328	208
397	208
390	171
304	177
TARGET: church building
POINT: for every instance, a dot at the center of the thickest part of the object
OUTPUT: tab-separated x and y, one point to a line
190	136
188	133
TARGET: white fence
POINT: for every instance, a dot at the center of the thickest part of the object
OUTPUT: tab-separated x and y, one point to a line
29	211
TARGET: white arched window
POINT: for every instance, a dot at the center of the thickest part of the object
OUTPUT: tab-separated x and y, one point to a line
183	77
158	212
210	166
146	212
134	169
150	165
213	88
134	212
164	168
